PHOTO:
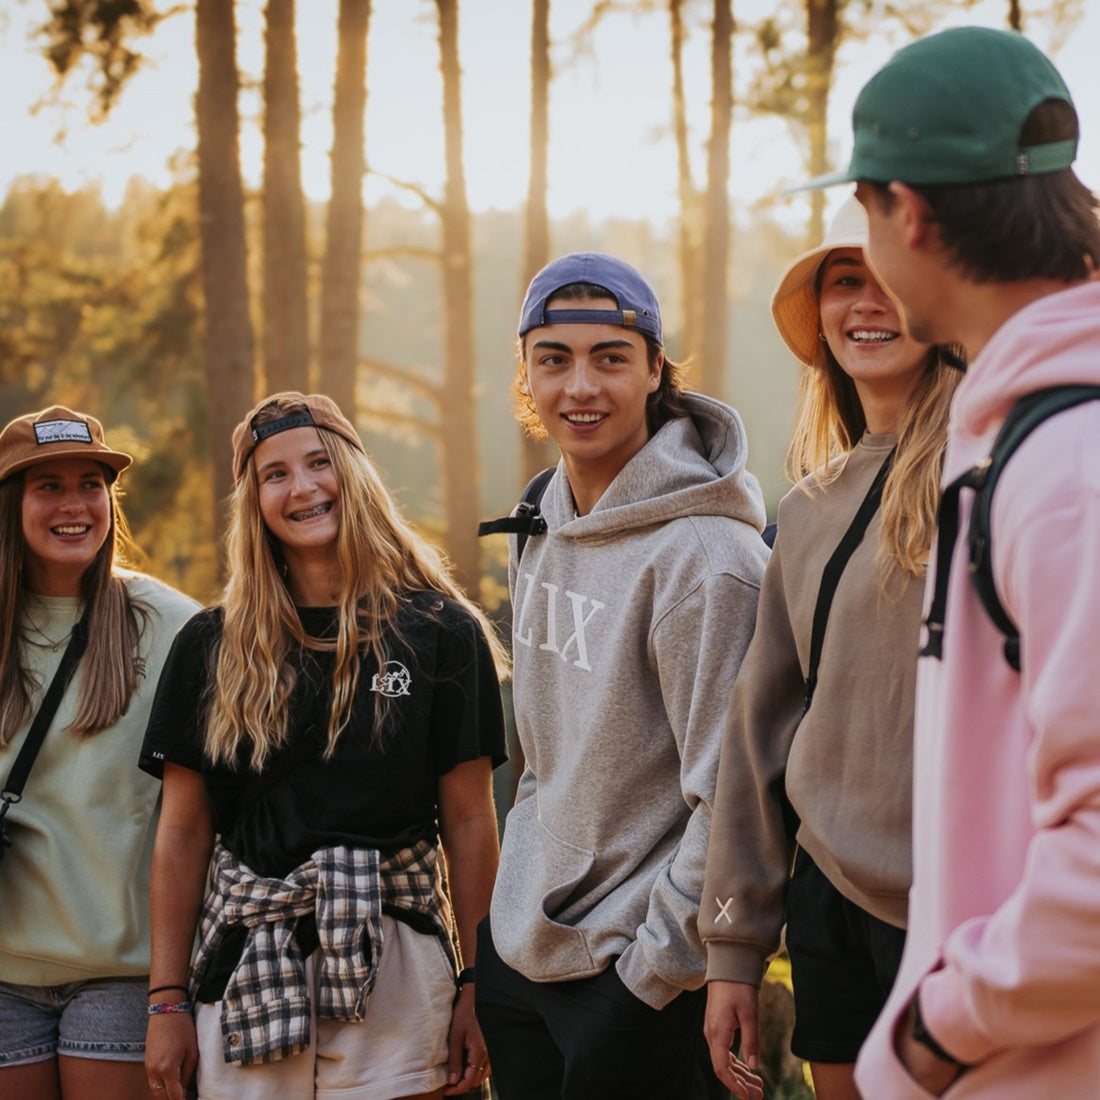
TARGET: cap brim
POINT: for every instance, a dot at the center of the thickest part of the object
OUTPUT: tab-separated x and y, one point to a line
114	460
818	182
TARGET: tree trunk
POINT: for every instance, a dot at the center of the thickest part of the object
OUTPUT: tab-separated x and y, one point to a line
228	341
342	270
821	38
716	239
691	210
458	427
285	310
537	453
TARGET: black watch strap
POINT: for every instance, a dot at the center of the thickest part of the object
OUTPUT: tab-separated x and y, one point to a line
922	1035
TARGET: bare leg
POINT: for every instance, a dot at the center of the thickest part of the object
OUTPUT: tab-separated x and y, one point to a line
38	1081
98	1079
834	1081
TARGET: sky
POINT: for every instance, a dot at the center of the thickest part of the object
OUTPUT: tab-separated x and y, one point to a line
611	152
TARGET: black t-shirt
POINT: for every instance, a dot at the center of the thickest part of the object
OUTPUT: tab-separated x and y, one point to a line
444	709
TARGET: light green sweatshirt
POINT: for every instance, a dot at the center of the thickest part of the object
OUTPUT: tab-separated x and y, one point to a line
74	886
629	624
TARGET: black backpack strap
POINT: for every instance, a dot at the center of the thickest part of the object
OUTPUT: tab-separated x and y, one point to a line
20	771
947	531
1026	415
527	519
830	576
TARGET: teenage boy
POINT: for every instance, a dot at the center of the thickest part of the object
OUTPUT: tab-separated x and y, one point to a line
962	154
631	615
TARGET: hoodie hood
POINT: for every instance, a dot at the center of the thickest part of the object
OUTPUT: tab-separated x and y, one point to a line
1051	342
693	465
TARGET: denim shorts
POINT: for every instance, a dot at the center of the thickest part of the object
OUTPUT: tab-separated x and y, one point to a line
104	1018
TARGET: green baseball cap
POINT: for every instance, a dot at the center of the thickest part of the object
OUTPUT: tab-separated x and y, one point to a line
948	110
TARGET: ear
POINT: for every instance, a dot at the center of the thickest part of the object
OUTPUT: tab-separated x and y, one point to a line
655	373
914	215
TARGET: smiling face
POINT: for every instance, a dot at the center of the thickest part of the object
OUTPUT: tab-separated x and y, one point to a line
298	492
66	520
590	384
864	330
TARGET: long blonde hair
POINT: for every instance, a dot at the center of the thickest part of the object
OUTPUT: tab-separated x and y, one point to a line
381	559
831	423
111	664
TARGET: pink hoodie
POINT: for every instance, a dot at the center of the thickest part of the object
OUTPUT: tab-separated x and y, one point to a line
1004	913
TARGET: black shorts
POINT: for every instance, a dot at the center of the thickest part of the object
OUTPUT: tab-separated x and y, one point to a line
843	963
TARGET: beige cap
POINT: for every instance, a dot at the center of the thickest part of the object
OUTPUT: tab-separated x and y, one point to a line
794	304
304	411
56	432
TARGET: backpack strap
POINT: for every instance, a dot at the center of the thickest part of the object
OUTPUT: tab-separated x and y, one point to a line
834	567
527	519
1024	417
12	791
947	531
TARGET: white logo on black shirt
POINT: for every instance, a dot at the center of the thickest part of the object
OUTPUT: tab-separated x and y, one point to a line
393	680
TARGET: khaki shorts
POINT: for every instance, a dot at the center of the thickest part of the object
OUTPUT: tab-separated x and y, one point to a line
398	1049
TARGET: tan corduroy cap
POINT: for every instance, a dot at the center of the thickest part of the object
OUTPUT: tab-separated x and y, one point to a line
56	432
313	410
794	304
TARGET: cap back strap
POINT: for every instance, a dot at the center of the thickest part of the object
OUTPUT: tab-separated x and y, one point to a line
303	419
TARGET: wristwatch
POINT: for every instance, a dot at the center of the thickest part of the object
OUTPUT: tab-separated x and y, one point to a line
922	1035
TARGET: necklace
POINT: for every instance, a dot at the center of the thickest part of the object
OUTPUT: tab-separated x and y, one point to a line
52	644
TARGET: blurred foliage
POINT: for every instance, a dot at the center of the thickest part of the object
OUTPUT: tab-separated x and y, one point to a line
101	309
99	36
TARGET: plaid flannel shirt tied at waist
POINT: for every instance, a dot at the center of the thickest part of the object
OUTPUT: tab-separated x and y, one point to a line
266	1006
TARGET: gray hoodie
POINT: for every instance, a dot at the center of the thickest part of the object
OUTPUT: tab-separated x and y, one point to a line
629	627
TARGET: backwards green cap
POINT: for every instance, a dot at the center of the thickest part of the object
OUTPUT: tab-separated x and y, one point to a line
948	110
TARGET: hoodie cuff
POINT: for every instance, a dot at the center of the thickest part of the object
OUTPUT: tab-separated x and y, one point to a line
735	962
943	1009
647	986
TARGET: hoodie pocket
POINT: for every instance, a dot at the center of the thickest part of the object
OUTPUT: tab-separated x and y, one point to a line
538	874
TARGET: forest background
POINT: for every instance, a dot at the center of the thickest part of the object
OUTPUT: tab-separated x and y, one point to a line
205	201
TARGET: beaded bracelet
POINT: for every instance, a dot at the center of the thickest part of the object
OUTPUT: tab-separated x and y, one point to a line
163	1008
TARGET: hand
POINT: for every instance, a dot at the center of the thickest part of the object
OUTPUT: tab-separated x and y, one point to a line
468	1061
731	1008
171	1054
931	1072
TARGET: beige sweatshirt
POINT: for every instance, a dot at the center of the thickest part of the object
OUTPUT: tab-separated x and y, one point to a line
846	763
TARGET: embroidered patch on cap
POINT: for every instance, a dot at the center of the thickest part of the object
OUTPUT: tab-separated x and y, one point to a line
62	431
